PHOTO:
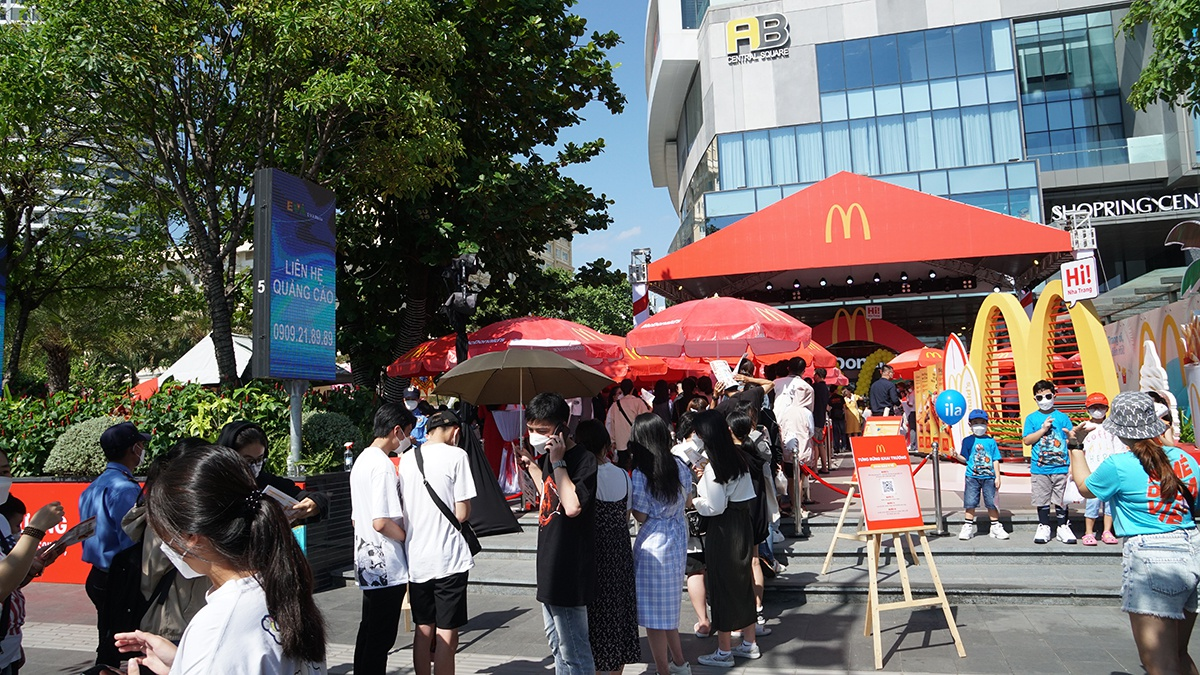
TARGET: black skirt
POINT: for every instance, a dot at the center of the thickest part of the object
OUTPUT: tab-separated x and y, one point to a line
729	552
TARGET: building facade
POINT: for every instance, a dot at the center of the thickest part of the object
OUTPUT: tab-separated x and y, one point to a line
1017	106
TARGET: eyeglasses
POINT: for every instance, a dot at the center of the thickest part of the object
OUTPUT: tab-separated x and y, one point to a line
1043	397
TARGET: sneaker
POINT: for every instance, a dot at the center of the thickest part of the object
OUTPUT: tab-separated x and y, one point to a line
779	568
1065	535
685	669
997	531
968	530
1089	539
1042	536
1108	538
716	660
745	651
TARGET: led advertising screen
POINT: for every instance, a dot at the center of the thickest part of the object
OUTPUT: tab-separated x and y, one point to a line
295	278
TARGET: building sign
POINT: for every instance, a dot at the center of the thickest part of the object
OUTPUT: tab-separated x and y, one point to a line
1080	281
1129	206
847	219
874	312
757	38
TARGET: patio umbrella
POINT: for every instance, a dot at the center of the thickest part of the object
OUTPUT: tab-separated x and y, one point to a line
907	363
516	375
718	328
812	353
426	359
572	340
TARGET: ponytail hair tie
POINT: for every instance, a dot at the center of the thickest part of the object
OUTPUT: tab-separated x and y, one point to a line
252	501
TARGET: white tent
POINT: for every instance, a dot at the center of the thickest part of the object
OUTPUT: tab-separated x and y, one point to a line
199	364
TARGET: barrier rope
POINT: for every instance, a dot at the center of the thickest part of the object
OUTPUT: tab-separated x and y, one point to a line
822	481
914	471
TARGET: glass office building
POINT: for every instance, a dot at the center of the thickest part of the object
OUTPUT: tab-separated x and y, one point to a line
983	103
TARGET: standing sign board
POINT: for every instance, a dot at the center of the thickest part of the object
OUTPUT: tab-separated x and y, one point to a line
885	481
295	278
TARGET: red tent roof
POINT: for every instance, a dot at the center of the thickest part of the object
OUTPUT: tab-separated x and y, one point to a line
849	222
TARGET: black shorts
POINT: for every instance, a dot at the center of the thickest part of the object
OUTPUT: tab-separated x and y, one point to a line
440	602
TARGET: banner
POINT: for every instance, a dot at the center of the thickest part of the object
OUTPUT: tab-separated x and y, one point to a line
1166	327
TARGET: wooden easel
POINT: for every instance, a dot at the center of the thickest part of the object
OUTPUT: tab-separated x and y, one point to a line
874	540
858	536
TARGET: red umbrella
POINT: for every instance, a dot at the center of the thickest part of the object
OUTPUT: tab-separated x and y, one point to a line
812	353
907	363
572	340
718	328
426	359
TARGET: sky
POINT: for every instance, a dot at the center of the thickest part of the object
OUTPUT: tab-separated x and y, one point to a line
642	214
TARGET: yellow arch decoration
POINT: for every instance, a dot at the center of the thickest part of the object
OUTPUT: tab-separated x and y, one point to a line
1169	324
1009	308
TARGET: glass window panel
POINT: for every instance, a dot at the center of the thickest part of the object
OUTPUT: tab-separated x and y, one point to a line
712	224
1022	175
811	152
888	100
1002	87
1079	61
784	168
939	46
968	49
758	158
904	180
789	190
1035	118
1108	110
729	203
1074	22
837	147
977	135
944	93
1088	146
911	47
858	63
864	147
1029	57
916	97
1038	144
861	103
947	132
767	196
732	162
893	152
997	46
992	201
1113	134
833	106
1006	132
831	76
1104	59
1054	66
1050	26
935	183
1025	29
1062	145
885	62
1058	114
918	132
977	179
972	90
693	110
1024	204
1083	112
1100	18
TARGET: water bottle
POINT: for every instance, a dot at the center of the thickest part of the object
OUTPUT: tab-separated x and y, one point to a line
348	455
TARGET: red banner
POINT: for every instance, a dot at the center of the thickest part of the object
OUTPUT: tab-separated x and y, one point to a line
69	568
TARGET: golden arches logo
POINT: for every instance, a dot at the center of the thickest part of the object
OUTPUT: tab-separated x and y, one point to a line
772	314
932	354
1170	329
852	325
847	216
587	333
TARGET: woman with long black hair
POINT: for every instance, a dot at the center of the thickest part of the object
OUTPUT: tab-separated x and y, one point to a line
260	616
250	441
1152	491
725	495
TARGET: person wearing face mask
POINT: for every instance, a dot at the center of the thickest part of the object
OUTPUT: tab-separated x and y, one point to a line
249	441
982	456
1046	431
412	403
108	499
1098	445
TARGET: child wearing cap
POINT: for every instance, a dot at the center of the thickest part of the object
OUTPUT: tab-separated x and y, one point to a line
1046	432
1098	444
982	455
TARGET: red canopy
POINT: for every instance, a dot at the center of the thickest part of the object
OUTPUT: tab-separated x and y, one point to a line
426	359
718	328
907	363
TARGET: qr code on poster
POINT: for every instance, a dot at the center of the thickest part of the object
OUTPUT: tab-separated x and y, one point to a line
887	486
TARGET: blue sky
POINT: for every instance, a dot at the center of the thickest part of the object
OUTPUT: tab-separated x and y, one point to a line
642	214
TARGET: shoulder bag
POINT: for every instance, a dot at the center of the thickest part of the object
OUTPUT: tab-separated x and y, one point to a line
465	529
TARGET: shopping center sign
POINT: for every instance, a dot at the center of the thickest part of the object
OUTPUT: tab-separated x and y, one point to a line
1129	206
757	38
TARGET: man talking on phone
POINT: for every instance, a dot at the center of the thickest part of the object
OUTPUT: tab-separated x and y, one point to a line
566	562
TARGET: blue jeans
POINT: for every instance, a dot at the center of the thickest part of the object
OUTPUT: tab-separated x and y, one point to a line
974	487
567	633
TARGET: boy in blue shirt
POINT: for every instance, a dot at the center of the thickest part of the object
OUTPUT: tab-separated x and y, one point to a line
1046	433
983	477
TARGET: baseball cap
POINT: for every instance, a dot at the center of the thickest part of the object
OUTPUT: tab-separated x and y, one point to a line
977	414
444	418
1096	399
412	393
121	436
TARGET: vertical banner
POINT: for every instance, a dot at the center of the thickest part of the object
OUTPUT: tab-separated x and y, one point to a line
960	377
885	481
295	278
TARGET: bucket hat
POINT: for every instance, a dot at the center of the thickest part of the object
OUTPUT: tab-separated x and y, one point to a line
1132	417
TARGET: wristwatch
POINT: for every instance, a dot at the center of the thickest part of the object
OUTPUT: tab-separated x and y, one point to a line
560	464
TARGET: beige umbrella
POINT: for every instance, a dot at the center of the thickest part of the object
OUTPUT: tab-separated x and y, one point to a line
517	375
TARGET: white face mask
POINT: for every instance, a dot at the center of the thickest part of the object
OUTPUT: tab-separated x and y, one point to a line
256	467
979	429
404	444
185	570
538	442
1046	405
1097	413
410	404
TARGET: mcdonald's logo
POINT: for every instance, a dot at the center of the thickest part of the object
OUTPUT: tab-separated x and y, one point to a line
847	216
772	314
852	325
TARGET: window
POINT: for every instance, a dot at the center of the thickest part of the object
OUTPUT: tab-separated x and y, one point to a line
693	12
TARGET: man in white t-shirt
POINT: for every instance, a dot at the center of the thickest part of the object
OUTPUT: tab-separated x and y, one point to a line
787	386
438	556
380	565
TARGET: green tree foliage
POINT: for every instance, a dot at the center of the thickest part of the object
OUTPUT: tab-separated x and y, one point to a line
596	296
1173	71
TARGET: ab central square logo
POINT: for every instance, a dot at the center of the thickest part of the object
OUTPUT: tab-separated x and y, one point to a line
757	38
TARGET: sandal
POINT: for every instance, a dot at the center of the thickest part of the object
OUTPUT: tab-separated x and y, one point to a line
1108	538
1088	540
699	633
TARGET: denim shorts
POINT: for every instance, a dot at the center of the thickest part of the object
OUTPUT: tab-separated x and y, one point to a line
1161	573
973	487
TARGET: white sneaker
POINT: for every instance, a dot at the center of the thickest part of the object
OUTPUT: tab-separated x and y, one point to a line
716	660
685	669
1042	536
745	651
1065	535
968	530
997	531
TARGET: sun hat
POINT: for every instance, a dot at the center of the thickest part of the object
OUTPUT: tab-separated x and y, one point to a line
1132	417
1096	398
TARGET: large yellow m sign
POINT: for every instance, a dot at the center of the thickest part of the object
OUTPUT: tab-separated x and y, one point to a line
847	216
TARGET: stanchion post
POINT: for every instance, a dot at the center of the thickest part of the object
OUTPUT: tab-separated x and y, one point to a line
940	524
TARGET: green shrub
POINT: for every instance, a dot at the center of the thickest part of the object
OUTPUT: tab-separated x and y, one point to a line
77	453
328	432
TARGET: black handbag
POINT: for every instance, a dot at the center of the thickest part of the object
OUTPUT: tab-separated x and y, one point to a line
697	524
465	529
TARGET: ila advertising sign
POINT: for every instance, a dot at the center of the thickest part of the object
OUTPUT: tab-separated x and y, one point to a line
295	278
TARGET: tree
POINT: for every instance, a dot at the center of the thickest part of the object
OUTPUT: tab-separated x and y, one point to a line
596	296
193	97
1173	71
527	71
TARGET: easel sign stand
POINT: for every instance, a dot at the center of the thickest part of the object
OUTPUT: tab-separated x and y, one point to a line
890	509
